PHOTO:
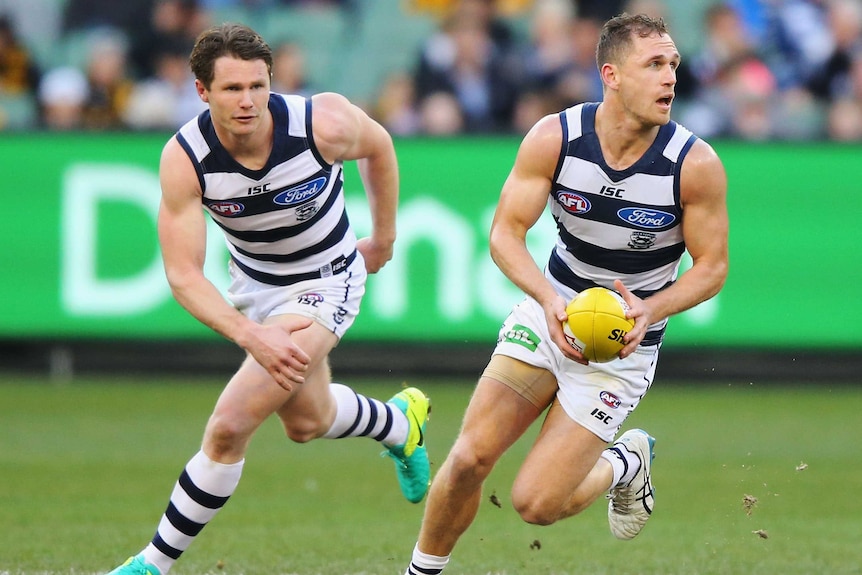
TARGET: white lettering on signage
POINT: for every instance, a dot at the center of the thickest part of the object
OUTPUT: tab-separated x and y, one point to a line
83	292
465	280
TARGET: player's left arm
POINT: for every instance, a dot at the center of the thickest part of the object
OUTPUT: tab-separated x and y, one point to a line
703	194
343	131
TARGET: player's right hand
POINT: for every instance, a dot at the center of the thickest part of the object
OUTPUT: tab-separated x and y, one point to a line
555	313
275	351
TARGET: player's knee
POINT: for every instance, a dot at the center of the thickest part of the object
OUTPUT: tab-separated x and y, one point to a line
535	514
469	465
302	429
225	435
534	508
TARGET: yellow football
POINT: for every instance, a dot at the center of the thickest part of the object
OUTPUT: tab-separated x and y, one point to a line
597	323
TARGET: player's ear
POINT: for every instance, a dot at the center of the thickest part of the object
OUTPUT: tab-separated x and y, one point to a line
202	91
610	75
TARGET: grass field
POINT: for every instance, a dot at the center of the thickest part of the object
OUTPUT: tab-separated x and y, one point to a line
86	469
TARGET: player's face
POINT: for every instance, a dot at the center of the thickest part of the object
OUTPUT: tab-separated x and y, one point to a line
238	95
648	78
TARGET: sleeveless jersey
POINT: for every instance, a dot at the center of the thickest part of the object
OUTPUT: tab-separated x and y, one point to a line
285	222
615	224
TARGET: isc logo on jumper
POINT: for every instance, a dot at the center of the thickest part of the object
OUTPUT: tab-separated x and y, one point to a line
300	193
645	218
227	208
573	203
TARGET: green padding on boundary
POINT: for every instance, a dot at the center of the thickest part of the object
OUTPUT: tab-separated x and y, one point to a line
81	257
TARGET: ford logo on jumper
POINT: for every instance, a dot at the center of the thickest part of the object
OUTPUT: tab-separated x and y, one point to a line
300	193
647	219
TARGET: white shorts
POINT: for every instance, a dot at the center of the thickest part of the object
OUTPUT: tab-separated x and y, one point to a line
333	302
598	396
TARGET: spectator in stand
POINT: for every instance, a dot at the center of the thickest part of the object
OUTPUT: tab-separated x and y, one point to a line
799	40
546	57
726	41
833	80
844	120
581	82
19	73
109	85
169	22
288	70
169	98
19	79
63	92
395	105
440	114
463	61
730	84
494	12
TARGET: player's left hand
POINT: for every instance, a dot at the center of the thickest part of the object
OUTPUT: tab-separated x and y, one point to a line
375	253
638	311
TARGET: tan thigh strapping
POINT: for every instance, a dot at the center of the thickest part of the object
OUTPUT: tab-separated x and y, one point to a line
535	384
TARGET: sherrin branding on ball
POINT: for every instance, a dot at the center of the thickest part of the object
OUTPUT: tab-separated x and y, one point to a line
597	324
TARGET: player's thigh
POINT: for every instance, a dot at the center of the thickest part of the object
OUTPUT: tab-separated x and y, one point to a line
252	395
310	404
562	456
534	383
499	412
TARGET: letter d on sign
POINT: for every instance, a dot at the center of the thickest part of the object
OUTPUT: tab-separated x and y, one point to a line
83	293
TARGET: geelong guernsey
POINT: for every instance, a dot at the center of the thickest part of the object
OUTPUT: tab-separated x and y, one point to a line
617	224
285	222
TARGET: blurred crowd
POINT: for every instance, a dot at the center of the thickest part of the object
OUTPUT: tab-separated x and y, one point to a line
760	70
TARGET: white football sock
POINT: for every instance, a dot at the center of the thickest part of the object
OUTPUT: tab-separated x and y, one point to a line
359	416
624	463
201	491
424	564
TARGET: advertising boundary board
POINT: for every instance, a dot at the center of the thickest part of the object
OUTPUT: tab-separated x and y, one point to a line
82	259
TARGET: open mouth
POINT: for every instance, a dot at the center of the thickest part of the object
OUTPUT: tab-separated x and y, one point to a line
666	101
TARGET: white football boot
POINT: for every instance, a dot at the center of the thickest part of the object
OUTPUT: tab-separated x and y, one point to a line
630	505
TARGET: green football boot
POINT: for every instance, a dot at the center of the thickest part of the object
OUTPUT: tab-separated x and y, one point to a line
411	457
135	566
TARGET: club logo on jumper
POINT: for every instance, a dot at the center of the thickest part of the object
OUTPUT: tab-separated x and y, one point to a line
641	240
306	211
647	219
573	203
227	208
312	299
300	193
521	335
610	399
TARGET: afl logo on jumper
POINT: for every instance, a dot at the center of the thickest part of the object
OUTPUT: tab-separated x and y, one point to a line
227	208
610	399
573	203
300	193
647	219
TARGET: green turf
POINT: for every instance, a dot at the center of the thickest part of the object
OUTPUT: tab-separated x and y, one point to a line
86	469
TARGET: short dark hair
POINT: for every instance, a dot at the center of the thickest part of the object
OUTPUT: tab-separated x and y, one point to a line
228	39
617	33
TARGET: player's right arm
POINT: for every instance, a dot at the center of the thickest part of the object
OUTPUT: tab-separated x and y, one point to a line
182	237
522	201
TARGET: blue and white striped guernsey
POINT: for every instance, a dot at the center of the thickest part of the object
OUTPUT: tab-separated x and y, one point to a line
617	224
287	221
